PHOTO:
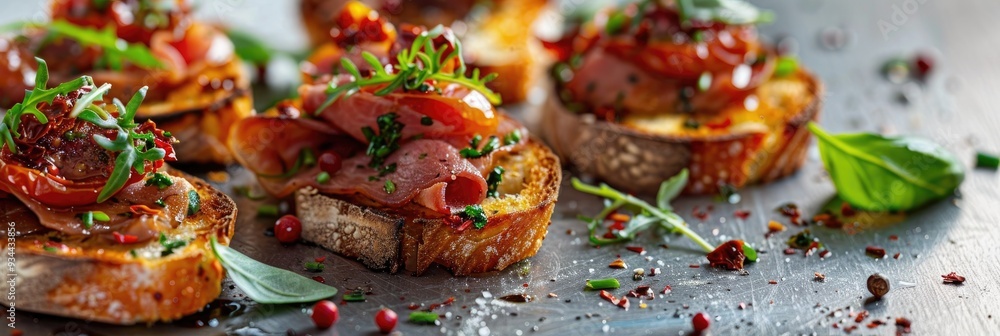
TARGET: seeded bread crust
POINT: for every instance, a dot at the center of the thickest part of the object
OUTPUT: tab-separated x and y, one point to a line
95	280
638	160
416	239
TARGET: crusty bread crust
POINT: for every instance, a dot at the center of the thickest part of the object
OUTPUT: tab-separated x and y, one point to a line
638	161
95	280
200	115
389	238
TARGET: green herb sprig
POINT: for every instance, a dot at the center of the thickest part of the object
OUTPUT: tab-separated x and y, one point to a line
646	215
877	173
116	51
474	152
493	182
134	149
414	66
268	284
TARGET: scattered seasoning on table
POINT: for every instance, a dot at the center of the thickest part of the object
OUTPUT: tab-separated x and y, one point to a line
638	274
790	251
875	252
893	238
422	317
354	296
953	278
636	249
700	322
819	276
319	279
519	298
875	324
607	296
846	210
791	210
654	271
609	283
878	285
741	214
694	266
984	160
553	295
824	253
903	325
896	256
618	263
700	215
729	255
449	301
743	306
862	315
774	227
773	282
666	290
623	303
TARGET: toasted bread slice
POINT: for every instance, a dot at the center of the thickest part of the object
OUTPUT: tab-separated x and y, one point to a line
498	40
756	145
384	238
88	278
201	114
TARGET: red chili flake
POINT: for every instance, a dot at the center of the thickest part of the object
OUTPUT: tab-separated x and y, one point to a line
875	324
320	259
654	271
849	329
828	220
618	263
319	279
861	316
729	255
824	253
836	326
893	238
875	251
813	247
791	210
525	285
666	289
636	249
445	303
413	306
124	238
743	305
694	266
904	324
623	303
953	278
741	214
607	296
819	276
773	282
609	235
896	256
618	226
846	210
141	209
790	251
700	215
924	64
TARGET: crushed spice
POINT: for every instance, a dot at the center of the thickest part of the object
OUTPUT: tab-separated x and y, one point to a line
729	255
953	278
875	252
618	263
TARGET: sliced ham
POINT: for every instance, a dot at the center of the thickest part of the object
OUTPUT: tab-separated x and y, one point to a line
144	225
432	169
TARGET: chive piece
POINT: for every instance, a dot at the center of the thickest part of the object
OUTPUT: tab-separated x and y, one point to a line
609	283
493	182
354	296
161	203
786	66
50	249
316	267
308	157
476	214
512	138
133	253
169	246
705	81
984	160
390	187
88	219
161	181
100	216
323	177
422	317
194	202
426	121
268	210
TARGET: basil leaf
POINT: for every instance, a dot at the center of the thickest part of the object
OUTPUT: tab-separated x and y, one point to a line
877	173
670	188
267	284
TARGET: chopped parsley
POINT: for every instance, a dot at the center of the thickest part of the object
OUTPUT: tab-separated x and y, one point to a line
389	187
476	214
426	121
315	267
169	246
161	203
381	145
473	153
160	181
493	181
512	138
323	177
386	170
89	217
194	202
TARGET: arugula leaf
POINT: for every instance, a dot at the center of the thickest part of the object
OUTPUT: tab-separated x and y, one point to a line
267	284
877	173
116	50
670	188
